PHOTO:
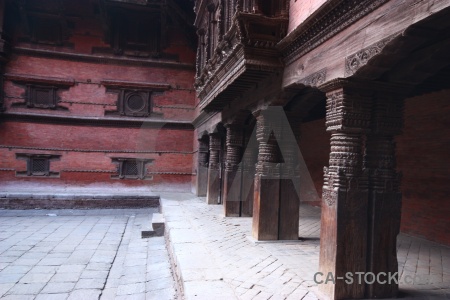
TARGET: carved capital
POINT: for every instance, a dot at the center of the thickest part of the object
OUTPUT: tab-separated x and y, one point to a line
234	142
348	109
215	145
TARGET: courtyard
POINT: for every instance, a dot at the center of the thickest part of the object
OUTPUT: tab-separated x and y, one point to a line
99	254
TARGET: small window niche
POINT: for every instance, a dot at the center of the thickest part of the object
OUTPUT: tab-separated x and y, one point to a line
135	103
38	165
41	96
131	168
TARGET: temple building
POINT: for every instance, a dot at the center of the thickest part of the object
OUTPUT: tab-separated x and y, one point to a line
256	105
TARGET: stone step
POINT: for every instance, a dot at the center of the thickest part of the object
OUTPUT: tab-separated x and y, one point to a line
156	228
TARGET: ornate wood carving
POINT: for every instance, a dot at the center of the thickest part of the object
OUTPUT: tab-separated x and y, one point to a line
220	60
269	155
315	79
337	15
215	145
360	58
234	143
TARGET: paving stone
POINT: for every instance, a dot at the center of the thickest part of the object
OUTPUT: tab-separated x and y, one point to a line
5	287
10	278
65	277
56	296
90	284
26	288
18	297
108	293
59	287
36	277
85	294
89	274
13	269
130	289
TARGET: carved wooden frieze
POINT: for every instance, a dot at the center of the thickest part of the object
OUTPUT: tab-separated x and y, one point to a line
360	58
335	17
315	79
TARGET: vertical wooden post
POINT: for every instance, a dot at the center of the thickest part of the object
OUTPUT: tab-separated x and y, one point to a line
290	178
202	171
343	239
249	160
213	190
232	180
276	201
266	203
384	190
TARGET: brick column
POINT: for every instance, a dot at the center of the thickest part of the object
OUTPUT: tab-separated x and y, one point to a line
384	190
343	238
213	190
233	178
202	171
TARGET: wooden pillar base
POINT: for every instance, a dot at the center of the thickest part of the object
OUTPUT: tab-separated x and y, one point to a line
213	191
266	209
248	180
202	181
343	242
232	193
385	210
289	211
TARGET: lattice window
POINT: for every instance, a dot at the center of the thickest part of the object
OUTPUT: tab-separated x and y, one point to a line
37	164
41	96
131	168
135	103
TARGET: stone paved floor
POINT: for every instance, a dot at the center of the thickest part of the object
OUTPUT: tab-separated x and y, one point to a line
99	254
82	254
216	259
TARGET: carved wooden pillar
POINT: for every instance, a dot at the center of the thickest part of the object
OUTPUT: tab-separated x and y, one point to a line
275	206
213	190
384	191
343	239
233	178
202	171
266	203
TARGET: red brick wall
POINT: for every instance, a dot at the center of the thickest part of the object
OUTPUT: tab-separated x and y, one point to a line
81	146
423	158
